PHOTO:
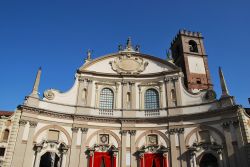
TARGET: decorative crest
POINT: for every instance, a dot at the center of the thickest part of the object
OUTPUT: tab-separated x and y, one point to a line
129	47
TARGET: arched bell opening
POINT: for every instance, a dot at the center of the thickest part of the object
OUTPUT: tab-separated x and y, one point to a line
208	160
49	159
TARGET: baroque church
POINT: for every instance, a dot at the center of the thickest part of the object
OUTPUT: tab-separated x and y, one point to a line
130	109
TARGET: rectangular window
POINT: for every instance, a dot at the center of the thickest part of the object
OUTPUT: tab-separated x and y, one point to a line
2	151
53	135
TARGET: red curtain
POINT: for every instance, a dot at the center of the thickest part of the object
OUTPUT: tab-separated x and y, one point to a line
148	160
100	156
90	160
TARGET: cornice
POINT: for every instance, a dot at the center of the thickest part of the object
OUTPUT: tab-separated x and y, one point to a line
165	119
129	75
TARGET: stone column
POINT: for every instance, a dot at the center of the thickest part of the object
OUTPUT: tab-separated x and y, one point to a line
219	152
230	149
123	154
74	151
29	147
182	147
38	148
173	150
83	157
20	147
132	147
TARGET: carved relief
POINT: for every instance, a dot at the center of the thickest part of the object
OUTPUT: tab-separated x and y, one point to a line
48	94
128	64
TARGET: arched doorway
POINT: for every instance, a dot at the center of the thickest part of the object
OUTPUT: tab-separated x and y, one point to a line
49	159
209	160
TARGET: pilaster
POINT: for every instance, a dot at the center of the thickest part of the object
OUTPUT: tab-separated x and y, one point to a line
132	147
74	151
230	149
123	154
173	155
19	147
29	147
83	157
182	158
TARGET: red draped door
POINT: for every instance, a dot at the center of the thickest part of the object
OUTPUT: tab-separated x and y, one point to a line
102	157
153	160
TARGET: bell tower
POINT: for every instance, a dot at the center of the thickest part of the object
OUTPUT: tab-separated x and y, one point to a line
189	54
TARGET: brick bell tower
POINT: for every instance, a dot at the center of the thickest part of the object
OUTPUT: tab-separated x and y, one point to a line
189	54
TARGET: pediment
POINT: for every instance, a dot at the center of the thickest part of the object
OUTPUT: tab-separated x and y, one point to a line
128	63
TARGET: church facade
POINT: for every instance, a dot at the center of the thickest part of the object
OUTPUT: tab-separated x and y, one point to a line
130	109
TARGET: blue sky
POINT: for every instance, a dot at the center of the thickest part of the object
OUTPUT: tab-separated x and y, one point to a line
51	33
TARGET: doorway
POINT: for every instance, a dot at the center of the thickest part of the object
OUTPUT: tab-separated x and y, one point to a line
209	160
49	159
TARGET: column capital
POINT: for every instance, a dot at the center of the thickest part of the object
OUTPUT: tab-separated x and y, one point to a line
235	123
74	129
84	130
22	122
33	124
123	132
226	125
132	132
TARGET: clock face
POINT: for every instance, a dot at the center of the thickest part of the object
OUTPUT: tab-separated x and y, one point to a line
196	65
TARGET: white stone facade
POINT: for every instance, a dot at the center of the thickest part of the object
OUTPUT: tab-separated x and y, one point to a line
73	129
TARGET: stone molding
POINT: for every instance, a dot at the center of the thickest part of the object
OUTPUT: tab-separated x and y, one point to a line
227	124
173	131
75	129
33	124
124	132
163	119
84	130
132	132
22	122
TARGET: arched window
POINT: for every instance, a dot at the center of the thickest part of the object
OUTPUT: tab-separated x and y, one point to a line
193	46
151	99
106	99
6	135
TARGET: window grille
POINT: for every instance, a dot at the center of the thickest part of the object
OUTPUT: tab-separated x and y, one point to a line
151	99
106	99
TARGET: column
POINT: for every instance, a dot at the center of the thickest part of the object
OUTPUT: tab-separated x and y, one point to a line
19	147
123	154
230	149
74	152
219	152
83	157
173	150
182	147
132	147
29	147
38	148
